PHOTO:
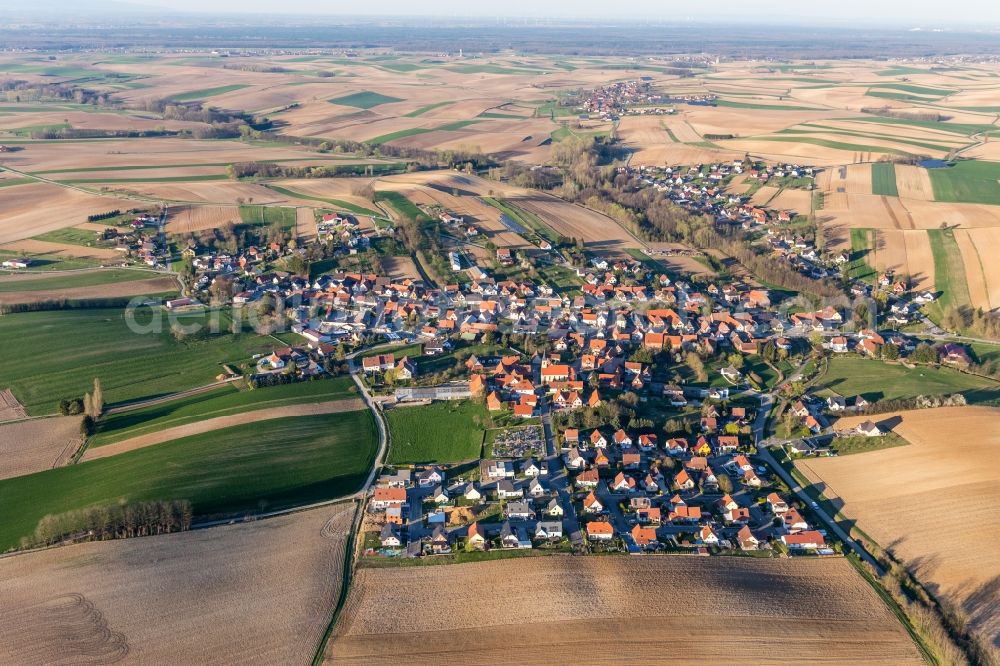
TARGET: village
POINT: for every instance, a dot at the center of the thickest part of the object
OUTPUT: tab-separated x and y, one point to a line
700	356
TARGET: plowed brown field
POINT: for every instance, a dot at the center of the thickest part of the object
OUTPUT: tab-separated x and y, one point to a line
34	445
931	503
645	610
253	593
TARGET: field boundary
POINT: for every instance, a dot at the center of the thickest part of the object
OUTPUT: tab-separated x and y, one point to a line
219	422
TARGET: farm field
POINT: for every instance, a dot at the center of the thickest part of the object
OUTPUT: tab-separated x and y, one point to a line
950	458
223	401
968	181
440	432
40	246
875	380
38	291
130	365
219	422
197	218
949	269
19	217
981	240
236	592
607	607
253	467
45	281
884	179
598	231
37	444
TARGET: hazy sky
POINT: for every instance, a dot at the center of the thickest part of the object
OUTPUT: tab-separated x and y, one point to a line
925	13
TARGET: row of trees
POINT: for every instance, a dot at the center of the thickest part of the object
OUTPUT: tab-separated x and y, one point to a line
239	170
114	521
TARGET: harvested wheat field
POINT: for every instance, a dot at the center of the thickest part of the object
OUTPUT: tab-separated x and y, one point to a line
931	503
147	152
975	269
21	209
156	285
983	240
619	610
919	259
598	231
305	223
197	218
796	201
447	181
914	182
399	268
907	252
930	214
219	422
237	594
220	192
35	445
10	408
763	195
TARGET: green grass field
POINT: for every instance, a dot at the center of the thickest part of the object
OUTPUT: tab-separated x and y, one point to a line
47	356
875	380
441	432
252	467
268	215
884	179
162	179
965	129
764	107
826	143
900	70
424	109
11	182
414	131
846	446
53	261
68	280
917	90
218	402
400	134
490	69
336	203
969	181
524	218
949	269
869	135
399	203
900	96
70	236
364	100
859	268
206	92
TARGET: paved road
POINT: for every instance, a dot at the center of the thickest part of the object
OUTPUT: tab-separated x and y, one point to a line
383	435
559	482
764	453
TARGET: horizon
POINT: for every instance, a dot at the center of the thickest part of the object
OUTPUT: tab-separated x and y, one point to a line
972	15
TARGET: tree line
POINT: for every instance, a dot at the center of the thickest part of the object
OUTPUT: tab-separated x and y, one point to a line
112	521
